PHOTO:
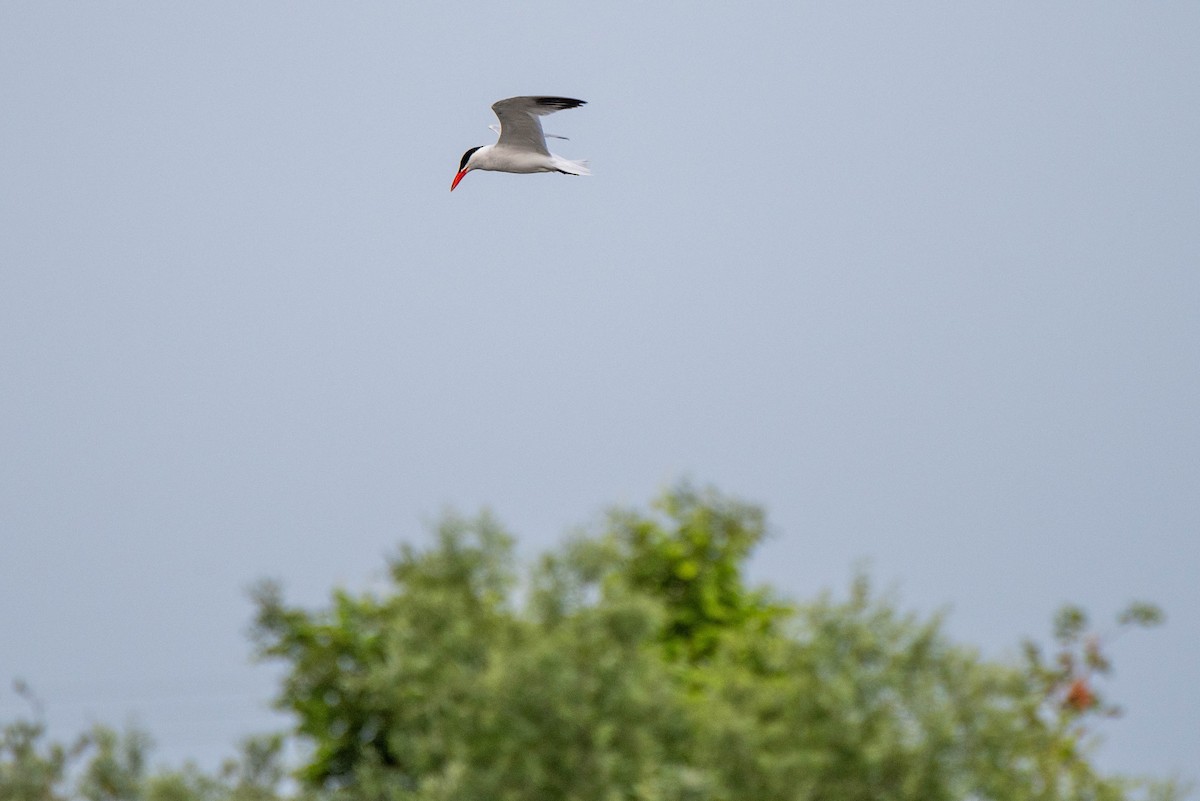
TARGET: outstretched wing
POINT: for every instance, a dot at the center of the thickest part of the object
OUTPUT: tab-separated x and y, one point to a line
496	130
519	124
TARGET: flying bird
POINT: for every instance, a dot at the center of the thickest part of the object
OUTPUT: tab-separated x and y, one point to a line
522	145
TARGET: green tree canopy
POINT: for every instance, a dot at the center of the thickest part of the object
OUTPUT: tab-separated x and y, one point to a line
633	663
636	663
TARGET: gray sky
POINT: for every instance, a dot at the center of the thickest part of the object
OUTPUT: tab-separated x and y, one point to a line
921	278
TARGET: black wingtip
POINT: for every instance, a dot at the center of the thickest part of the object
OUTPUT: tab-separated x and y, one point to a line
559	103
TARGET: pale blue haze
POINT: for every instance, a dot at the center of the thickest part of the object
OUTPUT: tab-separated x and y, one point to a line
920	278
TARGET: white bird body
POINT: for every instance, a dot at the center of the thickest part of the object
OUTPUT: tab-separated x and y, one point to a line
521	147
513	159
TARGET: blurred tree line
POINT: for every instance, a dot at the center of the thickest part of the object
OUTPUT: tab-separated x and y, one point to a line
632	664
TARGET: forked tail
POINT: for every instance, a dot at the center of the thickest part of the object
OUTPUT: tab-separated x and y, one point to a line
570	167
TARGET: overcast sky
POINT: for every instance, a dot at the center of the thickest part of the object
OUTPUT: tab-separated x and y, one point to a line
921	279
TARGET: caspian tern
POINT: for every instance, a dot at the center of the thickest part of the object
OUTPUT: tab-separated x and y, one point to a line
522	145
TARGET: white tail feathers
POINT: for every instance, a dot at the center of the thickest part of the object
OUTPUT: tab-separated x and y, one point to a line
571	167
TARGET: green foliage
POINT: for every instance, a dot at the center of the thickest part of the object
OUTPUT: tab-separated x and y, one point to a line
1141	613
690	558
635	663
1069	680
382	683
109	765
117	766
32	769
256	774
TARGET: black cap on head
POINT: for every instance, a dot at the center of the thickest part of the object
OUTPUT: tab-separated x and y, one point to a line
462	165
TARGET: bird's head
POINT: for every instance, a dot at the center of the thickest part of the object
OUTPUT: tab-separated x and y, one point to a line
464	167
